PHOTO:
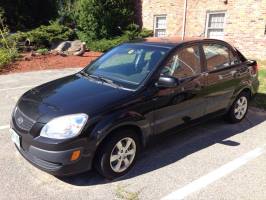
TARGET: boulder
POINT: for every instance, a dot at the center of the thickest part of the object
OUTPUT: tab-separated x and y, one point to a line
81	51
70	47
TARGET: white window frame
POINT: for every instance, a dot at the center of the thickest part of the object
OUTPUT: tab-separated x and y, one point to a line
155	22
207	28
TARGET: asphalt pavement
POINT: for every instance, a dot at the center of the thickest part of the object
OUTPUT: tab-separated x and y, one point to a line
214	160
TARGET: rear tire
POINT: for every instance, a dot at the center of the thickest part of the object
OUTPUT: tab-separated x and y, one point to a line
239	108
118	154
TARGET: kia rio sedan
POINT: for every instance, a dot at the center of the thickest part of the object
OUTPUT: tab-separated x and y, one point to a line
103	116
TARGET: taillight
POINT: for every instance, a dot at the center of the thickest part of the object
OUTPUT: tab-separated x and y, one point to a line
254	69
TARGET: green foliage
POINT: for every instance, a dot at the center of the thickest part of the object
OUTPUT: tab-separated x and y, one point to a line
102	24
8	51
44	36
28	14
42	51
100	19
7	56
105	44
132	33
259	100
67	12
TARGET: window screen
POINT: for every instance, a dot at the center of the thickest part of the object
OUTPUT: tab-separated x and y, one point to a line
215	25
160	26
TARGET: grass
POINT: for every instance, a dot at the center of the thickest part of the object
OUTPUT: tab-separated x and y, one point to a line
260	99
123	194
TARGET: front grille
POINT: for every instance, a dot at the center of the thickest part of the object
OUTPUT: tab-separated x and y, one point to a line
22	121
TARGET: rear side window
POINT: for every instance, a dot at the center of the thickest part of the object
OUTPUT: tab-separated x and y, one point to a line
233	58
217	56
241	56
184	63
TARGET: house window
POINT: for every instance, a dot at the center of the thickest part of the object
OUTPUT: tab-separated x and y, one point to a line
215	25
160	26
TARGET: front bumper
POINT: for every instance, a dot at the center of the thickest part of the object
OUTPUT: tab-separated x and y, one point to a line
54	162
54	157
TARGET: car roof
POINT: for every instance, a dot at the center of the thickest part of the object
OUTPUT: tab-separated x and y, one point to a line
171	42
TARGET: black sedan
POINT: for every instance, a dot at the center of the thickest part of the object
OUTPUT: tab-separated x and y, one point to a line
105	114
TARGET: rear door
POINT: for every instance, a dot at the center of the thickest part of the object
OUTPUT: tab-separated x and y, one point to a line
185	102
221	69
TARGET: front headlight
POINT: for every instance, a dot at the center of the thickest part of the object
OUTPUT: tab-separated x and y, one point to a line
64	127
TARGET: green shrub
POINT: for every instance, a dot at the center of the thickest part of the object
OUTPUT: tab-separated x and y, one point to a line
100	19
132	33
44	36
8	50
28	14
42	51
7	56
105	44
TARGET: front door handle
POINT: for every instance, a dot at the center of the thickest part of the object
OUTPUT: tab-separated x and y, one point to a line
155	98
204	74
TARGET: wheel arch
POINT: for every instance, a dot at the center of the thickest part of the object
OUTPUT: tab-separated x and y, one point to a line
137	130
238	92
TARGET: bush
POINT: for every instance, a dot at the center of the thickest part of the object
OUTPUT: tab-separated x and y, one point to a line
133	32
104	45
100	19
7	56
44	36
28	14
8	50
42	51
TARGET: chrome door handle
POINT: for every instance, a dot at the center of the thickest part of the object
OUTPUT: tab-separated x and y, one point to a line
204	74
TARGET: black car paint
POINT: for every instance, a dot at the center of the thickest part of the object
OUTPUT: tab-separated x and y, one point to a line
150	110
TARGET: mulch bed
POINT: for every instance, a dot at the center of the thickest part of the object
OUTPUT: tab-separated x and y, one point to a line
43	62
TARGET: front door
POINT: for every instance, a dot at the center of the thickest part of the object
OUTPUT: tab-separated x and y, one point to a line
185	102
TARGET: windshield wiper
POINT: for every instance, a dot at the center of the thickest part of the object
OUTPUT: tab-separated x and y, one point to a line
101	78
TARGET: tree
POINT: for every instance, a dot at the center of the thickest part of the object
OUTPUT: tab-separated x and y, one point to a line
100	19
27	14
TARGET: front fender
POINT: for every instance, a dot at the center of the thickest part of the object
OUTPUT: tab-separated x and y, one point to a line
117	120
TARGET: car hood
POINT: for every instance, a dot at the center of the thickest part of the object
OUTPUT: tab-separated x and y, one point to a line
70	95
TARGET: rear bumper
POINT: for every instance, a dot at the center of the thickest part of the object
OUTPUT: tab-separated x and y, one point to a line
255	86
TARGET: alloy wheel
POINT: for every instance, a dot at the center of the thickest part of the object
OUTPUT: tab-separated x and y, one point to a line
123	154
241	107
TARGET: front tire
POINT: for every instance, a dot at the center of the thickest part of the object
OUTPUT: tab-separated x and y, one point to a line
118	154
239	108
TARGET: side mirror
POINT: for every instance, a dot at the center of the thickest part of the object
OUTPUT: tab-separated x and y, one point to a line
167	82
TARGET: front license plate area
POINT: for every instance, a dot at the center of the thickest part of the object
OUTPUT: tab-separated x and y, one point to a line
15	138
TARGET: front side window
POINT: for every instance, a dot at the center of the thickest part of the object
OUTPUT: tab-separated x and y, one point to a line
217	56
128	64
185	63
160	26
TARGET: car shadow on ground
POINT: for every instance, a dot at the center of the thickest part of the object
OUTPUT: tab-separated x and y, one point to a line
175	147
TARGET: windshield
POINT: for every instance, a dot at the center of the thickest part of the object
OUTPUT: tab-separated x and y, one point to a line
127	65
